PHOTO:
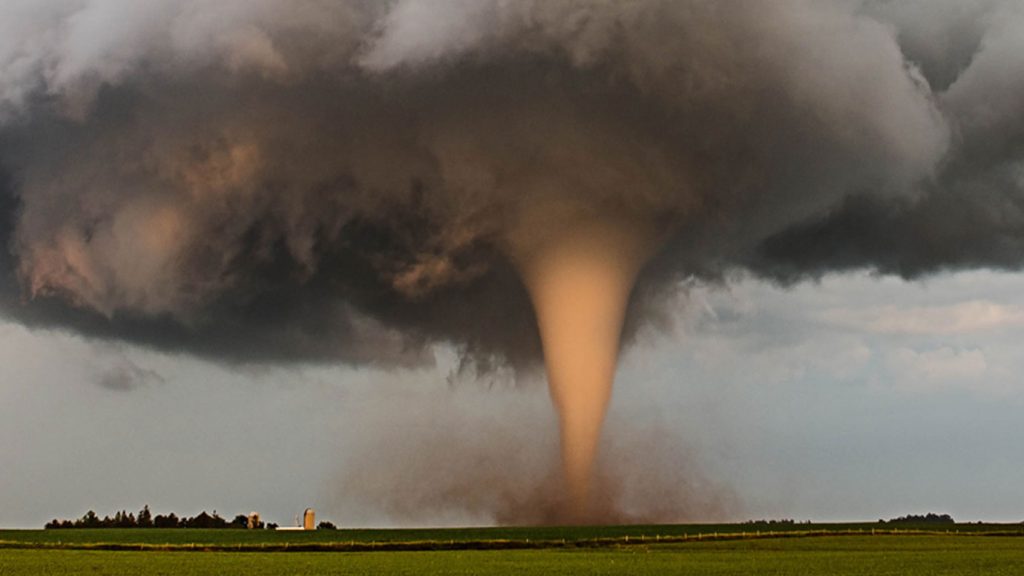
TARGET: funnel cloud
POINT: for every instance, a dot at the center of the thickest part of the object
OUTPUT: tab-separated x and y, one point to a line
354	182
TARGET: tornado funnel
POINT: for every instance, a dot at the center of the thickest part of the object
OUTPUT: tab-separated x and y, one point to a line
579	274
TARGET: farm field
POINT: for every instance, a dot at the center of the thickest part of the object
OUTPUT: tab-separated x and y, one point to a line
841	555
535	535
786	549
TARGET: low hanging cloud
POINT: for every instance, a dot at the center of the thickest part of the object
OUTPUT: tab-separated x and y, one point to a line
126	376
341	181
960	318
927	370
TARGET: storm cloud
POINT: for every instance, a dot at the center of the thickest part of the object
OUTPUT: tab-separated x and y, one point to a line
349	181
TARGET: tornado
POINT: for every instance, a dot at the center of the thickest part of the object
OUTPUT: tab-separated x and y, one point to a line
579	271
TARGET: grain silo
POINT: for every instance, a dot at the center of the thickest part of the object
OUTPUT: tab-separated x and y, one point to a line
309	519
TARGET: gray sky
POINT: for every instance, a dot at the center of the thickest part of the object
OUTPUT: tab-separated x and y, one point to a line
852	399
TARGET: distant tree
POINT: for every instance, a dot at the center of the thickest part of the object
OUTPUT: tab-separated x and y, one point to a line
271	525
145	519
325	525
62	524
169	521
930	518
124	520
89	520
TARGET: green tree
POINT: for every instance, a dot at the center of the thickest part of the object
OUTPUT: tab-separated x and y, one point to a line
169	521
89	520
145	519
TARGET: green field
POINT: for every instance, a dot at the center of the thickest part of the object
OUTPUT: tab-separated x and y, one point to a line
840	555
554	534
594	550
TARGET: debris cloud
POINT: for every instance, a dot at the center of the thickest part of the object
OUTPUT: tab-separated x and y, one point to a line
475	457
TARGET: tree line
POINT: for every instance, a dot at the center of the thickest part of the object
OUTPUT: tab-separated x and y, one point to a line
929	518
145	519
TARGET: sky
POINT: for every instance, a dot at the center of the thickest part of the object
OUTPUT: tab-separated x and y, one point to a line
261	256
854	398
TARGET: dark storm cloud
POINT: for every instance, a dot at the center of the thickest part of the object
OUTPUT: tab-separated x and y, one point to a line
970	214
979	224
343	181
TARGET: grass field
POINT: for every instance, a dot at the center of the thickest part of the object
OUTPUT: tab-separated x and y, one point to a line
839	555
569	534
592	550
